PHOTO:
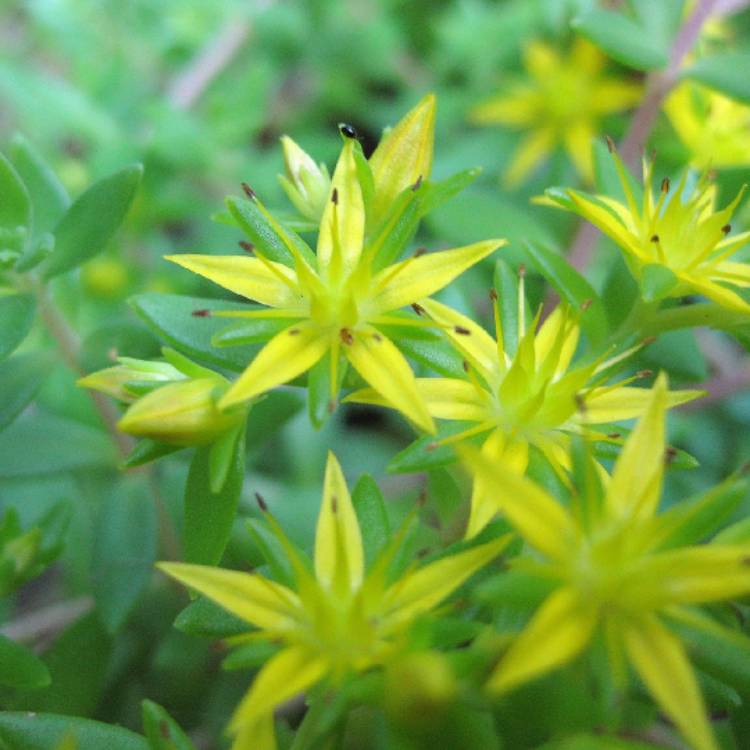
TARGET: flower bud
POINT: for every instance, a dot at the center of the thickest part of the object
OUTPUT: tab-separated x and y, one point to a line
306	183
127	380
182	413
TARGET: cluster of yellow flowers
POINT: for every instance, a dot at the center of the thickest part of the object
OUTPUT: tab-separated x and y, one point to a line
619	570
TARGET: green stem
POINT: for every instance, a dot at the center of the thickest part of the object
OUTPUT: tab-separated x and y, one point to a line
694	316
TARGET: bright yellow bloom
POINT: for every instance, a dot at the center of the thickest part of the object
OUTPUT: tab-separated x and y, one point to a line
339	619
712	126
619	570
531	396
561	103
337	301
674	245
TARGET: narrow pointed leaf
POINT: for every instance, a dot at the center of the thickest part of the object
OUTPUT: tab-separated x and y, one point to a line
15	209
372	516
20	668
20	379
162	731
16	317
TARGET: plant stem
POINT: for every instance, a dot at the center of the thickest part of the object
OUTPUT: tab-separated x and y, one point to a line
658	85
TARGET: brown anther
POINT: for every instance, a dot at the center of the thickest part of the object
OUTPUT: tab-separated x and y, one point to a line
249	192
614	435
648	341
467	366
654	238
201	313
610	144
113	354
665	185
331	406
745	560
432	446
377	337
417	184
462	331
248	247
346	336
164	729
294	331
522	269
418	309
420	251
423	552
493	295
580	403
422	498
335	196
712	174
334	504
644	373
262	504
727	228
670	454
744	469
586	304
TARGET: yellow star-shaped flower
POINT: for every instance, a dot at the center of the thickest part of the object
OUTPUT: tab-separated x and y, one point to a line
523	397
337	300
619	568
339	619
675	244
561	103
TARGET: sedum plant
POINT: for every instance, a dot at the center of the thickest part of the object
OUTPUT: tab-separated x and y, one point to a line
543	569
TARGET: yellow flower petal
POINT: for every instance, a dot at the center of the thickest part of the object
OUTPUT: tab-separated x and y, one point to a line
248	277
716	292
342	228
579	141
734	273
541	520
533	150
606	222
540	59
520	107
255	599
696	575
609	404
383	366
613	95
404	154
557	633
282	677
514	454
478	348
425	588
660	660
288	354
636	480
339	559
547	340
415	278
259	735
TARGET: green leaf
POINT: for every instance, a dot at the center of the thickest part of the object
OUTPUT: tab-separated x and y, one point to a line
147	451
574	289
662	19
46	444
515	588
209	514
78	661
206	619
678	353
434	194
319	390
162	731
20	379
396	229
656	282
171	317
726	72
372	516
506	286
15	207
267	234
92	220
271	549
48	196
427	452
124	552
251	655
29	731
21	668
251	331
16	317
607	178
597	742
622	39
269	414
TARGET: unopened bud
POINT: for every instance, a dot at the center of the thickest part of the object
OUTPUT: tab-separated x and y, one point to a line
127	380
306	183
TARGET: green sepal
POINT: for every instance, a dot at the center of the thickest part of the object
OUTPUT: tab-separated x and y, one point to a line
146	451
91	221
271	550
506	286
15	207
607	177
573	288
221	456
434	194
516	589
320	403
271	238
589	495
656	282
609	451
208	620
396	230
365	178
427	452
162	731
252	655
